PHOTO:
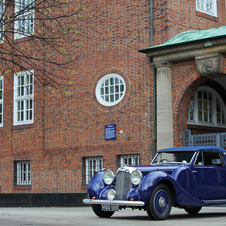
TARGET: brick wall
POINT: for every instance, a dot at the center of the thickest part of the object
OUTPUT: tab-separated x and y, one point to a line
69	127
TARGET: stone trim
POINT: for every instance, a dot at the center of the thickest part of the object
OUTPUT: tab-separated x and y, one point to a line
210	65
164	106
206	16
22	187
19	127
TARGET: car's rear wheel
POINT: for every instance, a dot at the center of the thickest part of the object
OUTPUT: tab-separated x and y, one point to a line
193	210
100	213
160	202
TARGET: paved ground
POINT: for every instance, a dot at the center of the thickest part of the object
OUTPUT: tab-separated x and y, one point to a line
83	216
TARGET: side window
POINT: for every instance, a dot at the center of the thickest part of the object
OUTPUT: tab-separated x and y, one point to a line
24	18
91	165
209	159
23	97
2	9
207	6
199	160
207	108
22	173
129	160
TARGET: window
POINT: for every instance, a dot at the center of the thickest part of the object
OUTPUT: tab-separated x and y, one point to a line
207	6
1	101
110	89
129	160
207	108
24	18
23	97
91	165
2	9
22	174
208	159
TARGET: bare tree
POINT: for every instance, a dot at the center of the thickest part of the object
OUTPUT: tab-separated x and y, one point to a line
38	35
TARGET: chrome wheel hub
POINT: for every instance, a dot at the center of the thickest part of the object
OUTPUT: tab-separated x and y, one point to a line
162	202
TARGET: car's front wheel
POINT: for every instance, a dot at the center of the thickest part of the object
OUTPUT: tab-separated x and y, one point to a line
100	213
160	202
193	210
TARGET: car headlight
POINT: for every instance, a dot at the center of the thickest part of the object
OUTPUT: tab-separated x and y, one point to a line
108	177
135	177
111	194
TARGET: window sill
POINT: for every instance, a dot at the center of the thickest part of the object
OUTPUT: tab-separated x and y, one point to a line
207	16
207	128
19	127
23	38
84	186
22	187
190	122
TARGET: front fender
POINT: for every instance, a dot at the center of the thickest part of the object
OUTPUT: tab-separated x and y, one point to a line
149	182
96	185
152	179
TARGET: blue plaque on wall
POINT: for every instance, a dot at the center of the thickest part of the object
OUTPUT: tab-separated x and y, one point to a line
110	132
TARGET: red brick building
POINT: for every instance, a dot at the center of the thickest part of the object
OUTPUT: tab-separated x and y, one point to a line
123	104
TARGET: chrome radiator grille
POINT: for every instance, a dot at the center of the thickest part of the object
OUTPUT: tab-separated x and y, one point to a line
123	185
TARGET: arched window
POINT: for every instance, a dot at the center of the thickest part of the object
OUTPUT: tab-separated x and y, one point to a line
207	108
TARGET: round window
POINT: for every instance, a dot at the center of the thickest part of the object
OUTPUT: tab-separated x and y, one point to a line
110	89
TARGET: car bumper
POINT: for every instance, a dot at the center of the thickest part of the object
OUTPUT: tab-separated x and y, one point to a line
114	202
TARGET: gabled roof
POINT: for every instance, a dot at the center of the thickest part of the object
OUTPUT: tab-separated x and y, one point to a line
191	36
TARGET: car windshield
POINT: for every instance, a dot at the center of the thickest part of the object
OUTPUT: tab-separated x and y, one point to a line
173	157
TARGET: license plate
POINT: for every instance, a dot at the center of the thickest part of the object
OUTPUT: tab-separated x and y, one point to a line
110	208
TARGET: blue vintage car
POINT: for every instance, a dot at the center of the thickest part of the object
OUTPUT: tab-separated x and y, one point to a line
184	177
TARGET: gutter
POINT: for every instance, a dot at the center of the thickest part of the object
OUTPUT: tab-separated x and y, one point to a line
154	82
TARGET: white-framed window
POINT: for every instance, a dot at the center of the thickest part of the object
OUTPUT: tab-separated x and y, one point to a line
110	89
207	6
91	165
23	97
129	160
1	101
24	21
22	172
2	15
207	108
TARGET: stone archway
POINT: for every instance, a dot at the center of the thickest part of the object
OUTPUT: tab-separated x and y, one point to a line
208	53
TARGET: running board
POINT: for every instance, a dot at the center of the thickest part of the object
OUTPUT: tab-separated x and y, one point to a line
218	201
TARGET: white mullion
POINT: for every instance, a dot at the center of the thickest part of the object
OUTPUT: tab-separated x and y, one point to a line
2	5
87	170
92	166
18	173
24	25
23	96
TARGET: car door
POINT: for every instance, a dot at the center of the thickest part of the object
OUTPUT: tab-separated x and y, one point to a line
210	175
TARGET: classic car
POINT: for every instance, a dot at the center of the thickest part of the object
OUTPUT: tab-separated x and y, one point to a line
183	177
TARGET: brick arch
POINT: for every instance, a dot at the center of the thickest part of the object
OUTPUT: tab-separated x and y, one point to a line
185	86
183	99
181	104
99	76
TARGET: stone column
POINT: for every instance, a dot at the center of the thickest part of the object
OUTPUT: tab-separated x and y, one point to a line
164	107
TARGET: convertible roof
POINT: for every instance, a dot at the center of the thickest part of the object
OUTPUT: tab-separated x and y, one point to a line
198	148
